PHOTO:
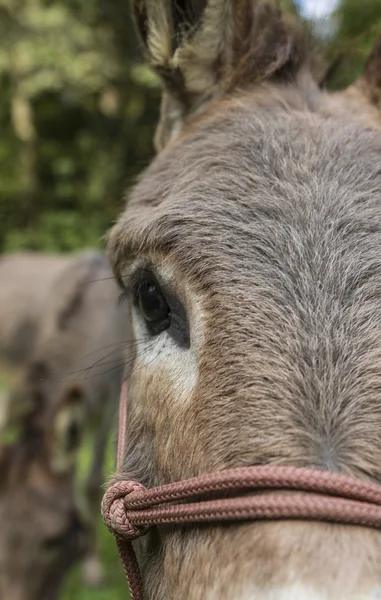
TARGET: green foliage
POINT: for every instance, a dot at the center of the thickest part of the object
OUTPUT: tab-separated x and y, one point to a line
356	27
78	108
115	587
77	113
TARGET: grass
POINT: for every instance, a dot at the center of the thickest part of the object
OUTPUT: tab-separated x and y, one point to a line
115	587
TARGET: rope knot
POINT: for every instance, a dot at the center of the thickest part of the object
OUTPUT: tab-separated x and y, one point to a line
114	511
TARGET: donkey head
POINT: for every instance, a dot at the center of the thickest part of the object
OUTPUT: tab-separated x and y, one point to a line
42	532
250	251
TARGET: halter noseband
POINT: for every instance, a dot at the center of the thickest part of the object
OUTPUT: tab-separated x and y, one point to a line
129	509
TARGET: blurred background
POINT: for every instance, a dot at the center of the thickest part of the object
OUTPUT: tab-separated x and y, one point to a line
77	115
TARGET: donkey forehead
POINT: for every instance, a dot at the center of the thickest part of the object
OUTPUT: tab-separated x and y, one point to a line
258	188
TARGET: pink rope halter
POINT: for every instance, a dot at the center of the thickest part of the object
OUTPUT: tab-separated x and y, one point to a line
129	509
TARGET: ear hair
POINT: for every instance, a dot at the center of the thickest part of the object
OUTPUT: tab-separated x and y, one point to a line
204	48
182	15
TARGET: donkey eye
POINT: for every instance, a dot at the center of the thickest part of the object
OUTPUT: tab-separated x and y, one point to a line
154	307
158	306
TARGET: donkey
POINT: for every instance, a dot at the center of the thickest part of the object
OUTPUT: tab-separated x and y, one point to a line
250	253
71	382
26	280
43	532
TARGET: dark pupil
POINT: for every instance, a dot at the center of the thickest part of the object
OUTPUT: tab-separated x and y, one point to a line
152	303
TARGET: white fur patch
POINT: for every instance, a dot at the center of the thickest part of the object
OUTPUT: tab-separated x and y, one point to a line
299	591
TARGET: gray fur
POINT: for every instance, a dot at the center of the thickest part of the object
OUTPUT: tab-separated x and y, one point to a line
26	281
267	207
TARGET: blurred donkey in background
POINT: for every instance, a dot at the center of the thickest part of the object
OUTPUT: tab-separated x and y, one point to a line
61	323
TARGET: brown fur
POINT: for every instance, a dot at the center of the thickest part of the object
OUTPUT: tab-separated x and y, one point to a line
264	206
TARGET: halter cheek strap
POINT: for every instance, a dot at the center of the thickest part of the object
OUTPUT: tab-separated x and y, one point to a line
109	507
122	425
129	509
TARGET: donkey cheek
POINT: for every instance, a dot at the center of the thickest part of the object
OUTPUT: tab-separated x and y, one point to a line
168	372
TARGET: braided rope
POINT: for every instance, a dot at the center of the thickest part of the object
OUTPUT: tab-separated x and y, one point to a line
129	509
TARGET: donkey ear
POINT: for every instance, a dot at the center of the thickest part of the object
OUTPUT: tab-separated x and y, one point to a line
202	48
186	44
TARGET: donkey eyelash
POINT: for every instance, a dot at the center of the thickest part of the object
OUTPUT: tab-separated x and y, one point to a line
125	295
128	292
136	280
